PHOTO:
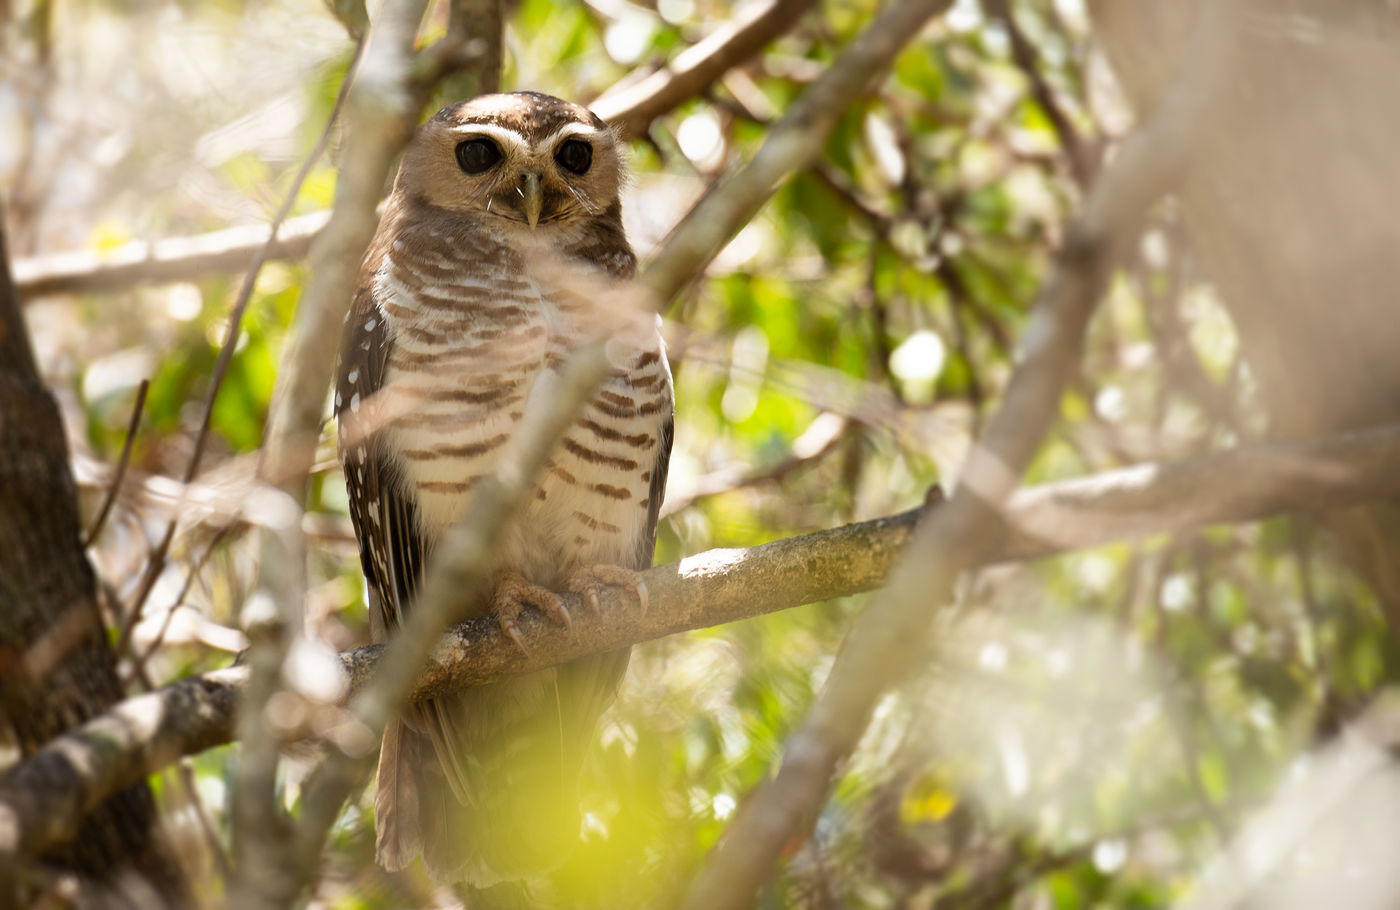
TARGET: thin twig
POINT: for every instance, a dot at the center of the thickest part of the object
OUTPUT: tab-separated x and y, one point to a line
138	667
156	563
115	484
1027	59
820	437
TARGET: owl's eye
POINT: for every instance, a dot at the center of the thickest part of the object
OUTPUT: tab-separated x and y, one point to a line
476	156
575	155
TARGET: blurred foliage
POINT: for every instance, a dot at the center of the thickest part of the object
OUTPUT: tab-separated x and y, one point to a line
1090	728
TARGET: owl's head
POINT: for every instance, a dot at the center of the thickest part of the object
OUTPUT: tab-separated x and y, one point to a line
524	157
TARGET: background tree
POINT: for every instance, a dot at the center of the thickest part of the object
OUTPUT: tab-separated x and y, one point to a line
1157	713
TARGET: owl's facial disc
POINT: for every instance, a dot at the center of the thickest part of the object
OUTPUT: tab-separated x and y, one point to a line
531	179
520	159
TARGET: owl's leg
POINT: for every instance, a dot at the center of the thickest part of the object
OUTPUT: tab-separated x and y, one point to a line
513	592
589	581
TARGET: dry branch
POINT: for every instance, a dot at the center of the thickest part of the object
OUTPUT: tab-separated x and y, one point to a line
41	799
631	108
171	259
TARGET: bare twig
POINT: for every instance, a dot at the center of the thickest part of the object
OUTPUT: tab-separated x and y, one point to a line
890	639
820	437
633	106
119	473
1027	59
138	665
41	799
156	564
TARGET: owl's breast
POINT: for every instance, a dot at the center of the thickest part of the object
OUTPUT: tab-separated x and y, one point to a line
591	505
469	358
468	346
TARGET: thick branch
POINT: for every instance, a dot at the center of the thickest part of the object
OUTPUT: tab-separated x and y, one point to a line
41	798
57	667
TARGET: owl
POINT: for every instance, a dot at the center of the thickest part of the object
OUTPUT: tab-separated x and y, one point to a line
500	249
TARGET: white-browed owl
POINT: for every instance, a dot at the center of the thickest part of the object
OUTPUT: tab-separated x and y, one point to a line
500	250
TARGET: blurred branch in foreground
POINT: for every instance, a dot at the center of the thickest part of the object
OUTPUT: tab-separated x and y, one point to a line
1344	805
382	108
890	640
463	560
49	793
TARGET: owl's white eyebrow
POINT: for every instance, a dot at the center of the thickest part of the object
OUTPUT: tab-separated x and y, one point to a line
504	135
571	129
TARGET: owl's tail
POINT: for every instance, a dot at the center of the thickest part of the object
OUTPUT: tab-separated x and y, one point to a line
505	896
484	784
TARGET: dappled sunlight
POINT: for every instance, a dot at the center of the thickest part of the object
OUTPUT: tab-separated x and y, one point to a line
1165	675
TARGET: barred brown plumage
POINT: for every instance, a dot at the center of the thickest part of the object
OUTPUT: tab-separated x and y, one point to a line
494	258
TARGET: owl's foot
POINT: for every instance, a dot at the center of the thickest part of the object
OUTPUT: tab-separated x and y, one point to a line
589	581
513	592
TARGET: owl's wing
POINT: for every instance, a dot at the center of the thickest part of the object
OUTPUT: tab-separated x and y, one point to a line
383	510
656	492
382	507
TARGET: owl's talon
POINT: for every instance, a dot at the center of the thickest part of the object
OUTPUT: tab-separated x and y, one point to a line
513	632
556	611
589	581
513	592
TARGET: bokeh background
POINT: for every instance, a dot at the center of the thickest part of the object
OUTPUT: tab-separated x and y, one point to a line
1090	730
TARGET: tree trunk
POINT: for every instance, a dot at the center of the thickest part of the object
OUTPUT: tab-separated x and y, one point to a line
56	667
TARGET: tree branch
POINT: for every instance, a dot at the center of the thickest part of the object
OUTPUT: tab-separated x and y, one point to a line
57	667
42	798
382	107
892	636
171	259
631	108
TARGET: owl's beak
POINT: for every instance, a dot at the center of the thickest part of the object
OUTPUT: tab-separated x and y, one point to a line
533	198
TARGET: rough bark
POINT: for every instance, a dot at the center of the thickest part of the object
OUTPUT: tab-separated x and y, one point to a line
56	667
